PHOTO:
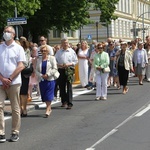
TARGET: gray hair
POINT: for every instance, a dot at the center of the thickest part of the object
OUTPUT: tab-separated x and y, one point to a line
64	39
12	28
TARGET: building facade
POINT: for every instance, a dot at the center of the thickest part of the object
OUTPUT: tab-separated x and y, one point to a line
133	21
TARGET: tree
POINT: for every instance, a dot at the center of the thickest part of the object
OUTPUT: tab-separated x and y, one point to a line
107	9
25	8
63	15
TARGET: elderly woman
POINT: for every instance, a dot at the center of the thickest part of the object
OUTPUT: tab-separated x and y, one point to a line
140	61
83	56
45	68
124	64
101	61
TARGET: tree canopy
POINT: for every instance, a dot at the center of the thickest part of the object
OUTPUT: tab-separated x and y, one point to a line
63	15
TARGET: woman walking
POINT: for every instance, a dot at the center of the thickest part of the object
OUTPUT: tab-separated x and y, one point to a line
140	60
45	69
101	61
124	64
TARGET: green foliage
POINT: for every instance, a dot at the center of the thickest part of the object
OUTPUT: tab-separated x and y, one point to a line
63	15
25	8
107	9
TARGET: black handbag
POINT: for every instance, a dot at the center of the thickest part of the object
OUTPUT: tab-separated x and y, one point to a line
28	70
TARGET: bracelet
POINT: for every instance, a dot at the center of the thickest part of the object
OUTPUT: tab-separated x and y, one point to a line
10	79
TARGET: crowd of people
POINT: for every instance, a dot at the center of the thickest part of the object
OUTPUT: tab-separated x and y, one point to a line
101	65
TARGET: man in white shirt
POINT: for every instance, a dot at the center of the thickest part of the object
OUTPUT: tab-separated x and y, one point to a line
43	41
12	57
66	60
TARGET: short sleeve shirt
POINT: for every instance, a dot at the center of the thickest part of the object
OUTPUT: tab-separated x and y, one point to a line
9	58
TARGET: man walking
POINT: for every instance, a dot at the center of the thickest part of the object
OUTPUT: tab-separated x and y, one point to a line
11	59
66	60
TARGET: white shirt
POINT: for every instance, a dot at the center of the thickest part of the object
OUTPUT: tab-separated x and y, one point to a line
9	57
66	56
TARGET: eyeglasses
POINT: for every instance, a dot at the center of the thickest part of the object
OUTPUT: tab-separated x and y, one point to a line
42	40
8	32
44	50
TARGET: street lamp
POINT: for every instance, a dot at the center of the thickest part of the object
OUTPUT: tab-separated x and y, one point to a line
143	19
97	31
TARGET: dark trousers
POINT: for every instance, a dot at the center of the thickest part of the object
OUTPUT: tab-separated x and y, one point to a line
65	88
56	88
123	75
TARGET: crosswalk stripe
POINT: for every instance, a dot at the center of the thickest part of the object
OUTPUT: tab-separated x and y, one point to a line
37	100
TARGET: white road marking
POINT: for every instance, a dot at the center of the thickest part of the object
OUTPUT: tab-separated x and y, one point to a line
102	139
37	100
90	149
7	117
138	113
143	111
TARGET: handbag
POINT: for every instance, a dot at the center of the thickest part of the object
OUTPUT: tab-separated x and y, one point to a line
106	70
28	70
56	74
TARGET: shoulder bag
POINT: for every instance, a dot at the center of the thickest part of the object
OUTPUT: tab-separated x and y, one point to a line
106	70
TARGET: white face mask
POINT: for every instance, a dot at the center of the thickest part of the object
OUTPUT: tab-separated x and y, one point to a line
7	36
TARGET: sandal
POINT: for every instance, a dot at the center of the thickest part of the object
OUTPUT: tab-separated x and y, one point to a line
127	89
118	87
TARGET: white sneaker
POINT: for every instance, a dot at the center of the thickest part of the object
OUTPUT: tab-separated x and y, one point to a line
97	98
103	98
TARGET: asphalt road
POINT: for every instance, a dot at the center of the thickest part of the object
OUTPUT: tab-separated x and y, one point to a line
120	123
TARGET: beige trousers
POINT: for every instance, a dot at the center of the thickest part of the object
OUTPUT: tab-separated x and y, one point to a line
13	94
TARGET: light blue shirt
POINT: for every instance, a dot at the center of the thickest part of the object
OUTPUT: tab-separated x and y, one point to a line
66	56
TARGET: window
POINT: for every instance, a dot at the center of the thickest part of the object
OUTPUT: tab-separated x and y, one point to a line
70	33
56	34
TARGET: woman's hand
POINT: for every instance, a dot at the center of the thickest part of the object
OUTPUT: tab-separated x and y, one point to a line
132	70
45	76
99	68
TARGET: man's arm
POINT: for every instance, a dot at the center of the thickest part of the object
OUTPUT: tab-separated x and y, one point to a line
19	68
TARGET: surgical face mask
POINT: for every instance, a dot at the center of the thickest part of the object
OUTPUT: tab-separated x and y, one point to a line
117	47
7	36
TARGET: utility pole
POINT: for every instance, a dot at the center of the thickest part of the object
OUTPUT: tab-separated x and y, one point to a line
97	31
143	24
16	17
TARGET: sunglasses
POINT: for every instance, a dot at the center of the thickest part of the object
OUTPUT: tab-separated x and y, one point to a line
43	50
42	40
100	48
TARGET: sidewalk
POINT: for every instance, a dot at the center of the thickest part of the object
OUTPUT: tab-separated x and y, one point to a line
35	103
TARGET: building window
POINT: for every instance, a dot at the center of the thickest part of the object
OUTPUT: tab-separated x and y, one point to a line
56	34
70	33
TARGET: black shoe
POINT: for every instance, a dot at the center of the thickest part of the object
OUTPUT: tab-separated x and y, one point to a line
69	107
14	138
23	115
63	105
140	83
2	139
86	86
